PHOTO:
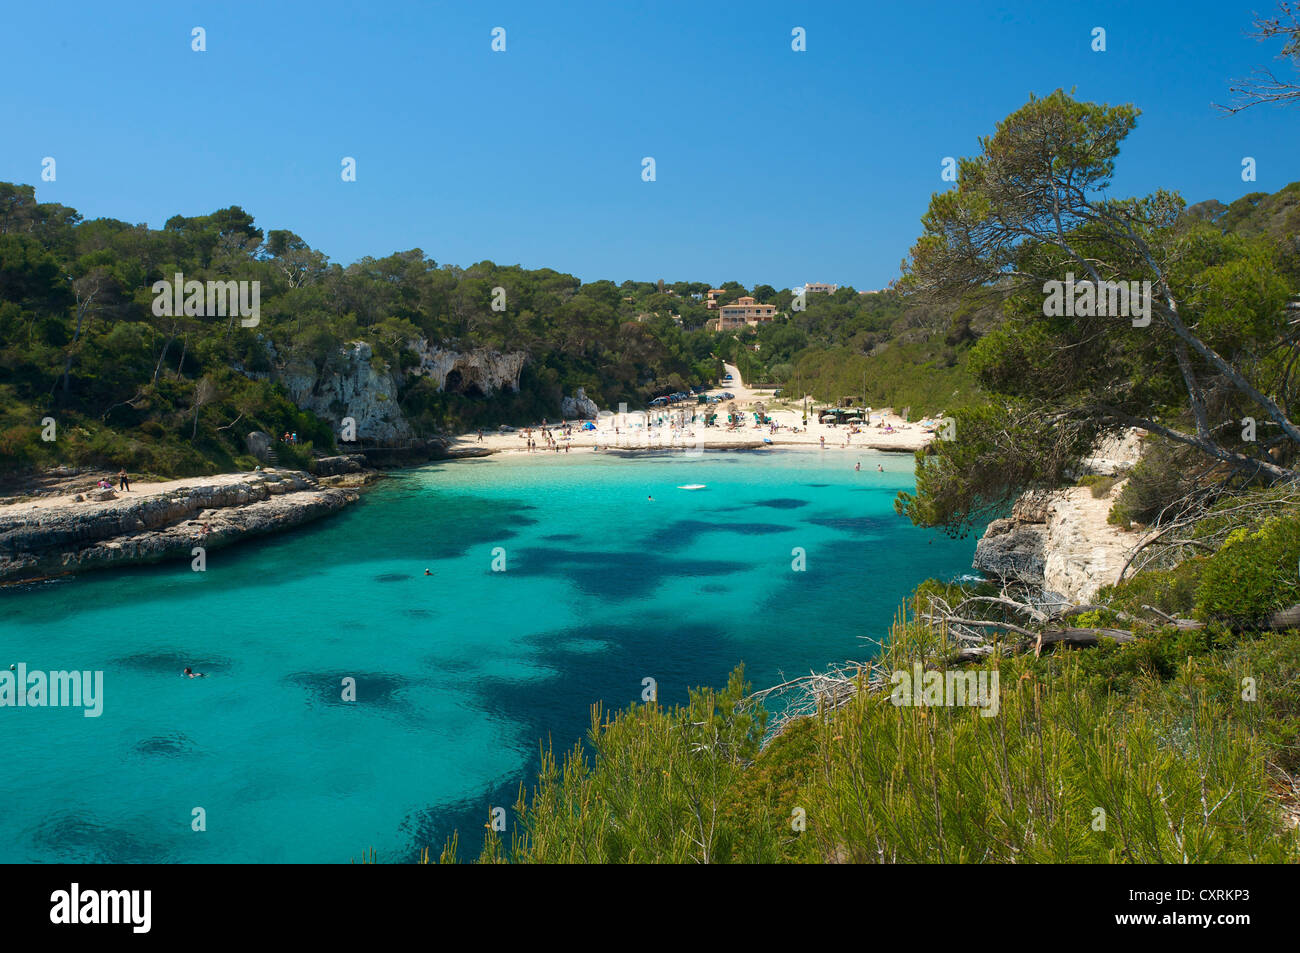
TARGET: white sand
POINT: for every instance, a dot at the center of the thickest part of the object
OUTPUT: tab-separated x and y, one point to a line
633	432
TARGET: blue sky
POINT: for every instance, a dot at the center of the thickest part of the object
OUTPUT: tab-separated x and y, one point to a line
772	166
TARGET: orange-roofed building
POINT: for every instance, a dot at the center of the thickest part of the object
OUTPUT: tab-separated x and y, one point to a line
745	312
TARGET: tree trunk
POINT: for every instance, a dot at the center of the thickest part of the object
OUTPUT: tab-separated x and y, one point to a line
163	353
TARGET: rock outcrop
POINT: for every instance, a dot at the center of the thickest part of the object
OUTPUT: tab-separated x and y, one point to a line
480	372
54	536
356	386
579	406
1114	456
1059	543
336	466
258	444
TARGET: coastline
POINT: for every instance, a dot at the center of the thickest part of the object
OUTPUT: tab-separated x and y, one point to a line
71	526
60	533
632	435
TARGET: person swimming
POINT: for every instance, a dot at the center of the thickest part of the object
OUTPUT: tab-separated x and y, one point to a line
428	572
190	673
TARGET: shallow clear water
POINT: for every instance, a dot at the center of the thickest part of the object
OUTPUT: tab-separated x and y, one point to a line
458	674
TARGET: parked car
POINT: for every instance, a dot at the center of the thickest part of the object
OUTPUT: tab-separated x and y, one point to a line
726	377
728	395
659	402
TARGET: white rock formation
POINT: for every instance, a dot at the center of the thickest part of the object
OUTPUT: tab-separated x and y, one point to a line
1114	455
1061	542
357	386
353	388
482	369
579	406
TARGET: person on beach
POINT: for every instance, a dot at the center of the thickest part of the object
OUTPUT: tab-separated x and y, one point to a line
125	484
480	435
823	440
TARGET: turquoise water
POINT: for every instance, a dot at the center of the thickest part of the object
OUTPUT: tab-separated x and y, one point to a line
459	674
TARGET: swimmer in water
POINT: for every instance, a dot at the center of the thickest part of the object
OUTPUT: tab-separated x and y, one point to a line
190	673
857	466
428	573
879	468
650	499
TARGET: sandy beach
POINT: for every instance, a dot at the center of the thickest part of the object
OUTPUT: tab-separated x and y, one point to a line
671	428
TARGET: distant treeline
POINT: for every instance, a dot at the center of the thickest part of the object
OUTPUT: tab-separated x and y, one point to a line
82	346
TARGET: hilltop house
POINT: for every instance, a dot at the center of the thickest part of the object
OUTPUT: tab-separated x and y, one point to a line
745	312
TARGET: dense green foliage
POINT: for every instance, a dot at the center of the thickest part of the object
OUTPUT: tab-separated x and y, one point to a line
1254	574
81	344
1209	368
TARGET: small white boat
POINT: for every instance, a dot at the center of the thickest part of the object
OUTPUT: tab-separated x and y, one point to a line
693	486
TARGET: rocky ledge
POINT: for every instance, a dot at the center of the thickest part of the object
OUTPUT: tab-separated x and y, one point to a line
51	536
1058	542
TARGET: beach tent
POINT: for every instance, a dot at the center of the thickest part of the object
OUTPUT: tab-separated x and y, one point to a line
588	426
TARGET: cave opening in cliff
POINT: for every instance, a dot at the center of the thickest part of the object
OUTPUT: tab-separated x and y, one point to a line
456	383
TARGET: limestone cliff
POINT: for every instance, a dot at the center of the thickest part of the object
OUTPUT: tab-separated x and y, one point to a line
351	387
355	384
1059	542
480	372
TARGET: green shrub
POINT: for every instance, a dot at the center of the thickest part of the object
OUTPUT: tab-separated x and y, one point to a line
1165	474
1253	575
1100	485
1172	591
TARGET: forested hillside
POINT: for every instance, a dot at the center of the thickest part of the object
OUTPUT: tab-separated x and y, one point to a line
80	342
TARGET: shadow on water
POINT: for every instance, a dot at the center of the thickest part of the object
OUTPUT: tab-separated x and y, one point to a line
172	746
680	534
375	692
79	837
616	576
171	663
859	525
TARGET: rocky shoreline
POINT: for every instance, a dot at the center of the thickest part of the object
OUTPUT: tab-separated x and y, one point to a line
1059	542
54	534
